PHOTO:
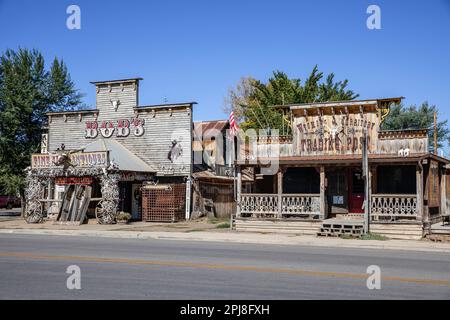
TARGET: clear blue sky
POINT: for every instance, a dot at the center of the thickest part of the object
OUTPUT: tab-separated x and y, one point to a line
196	50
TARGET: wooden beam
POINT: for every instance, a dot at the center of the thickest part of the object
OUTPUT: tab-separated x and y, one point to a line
419	190
322	193
238	191
435	133
443	206
374	178
280	192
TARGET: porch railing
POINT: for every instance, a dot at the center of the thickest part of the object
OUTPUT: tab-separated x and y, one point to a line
391	207
300	204
259	205
292	205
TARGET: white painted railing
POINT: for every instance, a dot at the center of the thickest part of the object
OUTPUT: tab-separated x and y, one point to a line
259	204
292	205
300	204
393	207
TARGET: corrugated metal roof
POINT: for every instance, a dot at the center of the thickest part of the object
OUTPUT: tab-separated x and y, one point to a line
338	103
345	159
208	129
117	80
119	154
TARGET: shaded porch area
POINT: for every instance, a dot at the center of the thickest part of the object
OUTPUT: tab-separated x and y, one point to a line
399	192
291	193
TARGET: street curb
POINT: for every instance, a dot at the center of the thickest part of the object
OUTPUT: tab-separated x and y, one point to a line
244	237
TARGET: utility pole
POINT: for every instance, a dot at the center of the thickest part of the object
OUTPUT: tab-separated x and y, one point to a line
366	177
435	133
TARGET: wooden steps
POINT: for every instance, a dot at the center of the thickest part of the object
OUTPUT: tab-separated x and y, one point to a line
398	231
329	228
277	226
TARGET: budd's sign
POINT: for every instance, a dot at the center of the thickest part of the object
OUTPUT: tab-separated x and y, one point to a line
122	128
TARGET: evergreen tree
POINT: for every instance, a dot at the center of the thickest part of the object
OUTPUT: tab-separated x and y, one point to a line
27	92
413	117
253	100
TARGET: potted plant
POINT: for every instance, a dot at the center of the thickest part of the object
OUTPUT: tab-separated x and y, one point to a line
123	217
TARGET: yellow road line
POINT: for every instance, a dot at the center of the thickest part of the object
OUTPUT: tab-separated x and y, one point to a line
221	267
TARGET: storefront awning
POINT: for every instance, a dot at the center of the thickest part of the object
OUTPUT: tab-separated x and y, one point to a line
120	155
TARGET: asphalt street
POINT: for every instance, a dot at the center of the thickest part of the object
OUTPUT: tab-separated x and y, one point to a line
34	267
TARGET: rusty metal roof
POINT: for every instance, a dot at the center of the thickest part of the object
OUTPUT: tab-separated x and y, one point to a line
346	159
208	129
339	103
118	153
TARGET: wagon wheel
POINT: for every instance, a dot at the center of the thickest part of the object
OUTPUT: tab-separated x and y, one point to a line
33	212
102	217
99	212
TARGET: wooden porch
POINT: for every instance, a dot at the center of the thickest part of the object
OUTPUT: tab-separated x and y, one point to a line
385	204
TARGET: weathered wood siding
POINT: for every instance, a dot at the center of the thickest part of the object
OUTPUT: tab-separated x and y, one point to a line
334	134
162	125
339	131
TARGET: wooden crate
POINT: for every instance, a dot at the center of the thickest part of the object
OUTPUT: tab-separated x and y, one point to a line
164	203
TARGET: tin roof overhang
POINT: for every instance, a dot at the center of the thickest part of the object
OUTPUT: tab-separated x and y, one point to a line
345	159
119	154
117	81
344	103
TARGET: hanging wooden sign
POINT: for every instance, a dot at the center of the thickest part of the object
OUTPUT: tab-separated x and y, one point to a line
74	180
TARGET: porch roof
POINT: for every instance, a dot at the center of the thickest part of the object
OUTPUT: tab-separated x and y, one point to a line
345	159
119	154
343	103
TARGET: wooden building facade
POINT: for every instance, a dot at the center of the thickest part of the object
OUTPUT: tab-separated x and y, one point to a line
112	151
319	172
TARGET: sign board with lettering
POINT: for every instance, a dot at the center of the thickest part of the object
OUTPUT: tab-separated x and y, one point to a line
329	134
78	159
73	180
44	143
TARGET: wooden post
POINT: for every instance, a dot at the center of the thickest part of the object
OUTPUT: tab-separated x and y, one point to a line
322	193
369	193
238	191
419	190
426	198
435	133
280	192
50	196
366	175
443	209
188	198
373	179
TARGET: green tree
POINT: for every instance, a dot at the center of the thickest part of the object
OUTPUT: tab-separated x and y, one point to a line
417	117
27	92
253	100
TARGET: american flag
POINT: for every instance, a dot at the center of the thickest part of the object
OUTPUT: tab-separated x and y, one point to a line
233	125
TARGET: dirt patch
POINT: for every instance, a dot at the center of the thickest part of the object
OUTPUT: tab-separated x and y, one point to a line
203	224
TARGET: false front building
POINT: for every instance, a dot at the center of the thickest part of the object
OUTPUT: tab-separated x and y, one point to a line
318	185
117	157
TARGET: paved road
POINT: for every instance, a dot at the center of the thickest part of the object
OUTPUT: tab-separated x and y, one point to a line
34	267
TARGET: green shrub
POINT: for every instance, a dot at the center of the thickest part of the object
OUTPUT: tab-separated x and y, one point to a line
123	216
223	225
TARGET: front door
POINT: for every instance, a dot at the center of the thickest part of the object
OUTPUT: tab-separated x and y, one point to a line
356	191
136	201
